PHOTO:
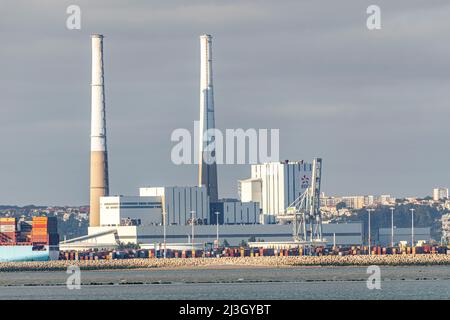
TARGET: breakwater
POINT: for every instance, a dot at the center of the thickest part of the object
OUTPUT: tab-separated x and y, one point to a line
286	261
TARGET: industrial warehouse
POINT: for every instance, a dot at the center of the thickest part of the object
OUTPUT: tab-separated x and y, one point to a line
277	204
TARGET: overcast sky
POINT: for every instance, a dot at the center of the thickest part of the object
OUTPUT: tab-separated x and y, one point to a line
375	105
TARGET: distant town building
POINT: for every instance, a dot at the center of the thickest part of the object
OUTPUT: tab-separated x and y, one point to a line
446	227
440	193
356	202
386	199
369	200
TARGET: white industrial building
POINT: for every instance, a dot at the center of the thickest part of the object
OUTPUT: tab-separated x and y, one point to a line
345	234
130	210
180	203
141	219
250	190
233	211
275	185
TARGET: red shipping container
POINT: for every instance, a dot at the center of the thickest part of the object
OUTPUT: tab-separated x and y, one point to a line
7	237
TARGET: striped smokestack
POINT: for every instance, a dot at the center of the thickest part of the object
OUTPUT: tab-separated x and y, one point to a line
99	154
207	170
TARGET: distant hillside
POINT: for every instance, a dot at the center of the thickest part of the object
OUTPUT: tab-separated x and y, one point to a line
424	216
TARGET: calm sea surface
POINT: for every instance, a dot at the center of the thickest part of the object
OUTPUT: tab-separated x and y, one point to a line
247	283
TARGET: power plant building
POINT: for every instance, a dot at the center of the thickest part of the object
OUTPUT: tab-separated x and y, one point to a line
271	188
130	210
345	234
233	211
178	203
280	184
250	190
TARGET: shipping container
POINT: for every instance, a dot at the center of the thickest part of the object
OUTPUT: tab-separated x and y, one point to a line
7	237
8	226
53	239
5	228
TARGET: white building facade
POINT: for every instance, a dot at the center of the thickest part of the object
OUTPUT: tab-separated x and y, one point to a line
130	210
280	184
180	202
445	220
344	234
233	211
440	193
250	190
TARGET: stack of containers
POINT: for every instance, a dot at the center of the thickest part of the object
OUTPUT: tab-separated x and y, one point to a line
45	231
8	230
25	228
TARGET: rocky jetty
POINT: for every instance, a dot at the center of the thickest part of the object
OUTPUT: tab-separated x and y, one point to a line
287	261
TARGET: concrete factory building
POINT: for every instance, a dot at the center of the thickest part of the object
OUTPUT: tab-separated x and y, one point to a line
275	185
178	204
345	234
181	203
142	219
233	211
125	211
250	190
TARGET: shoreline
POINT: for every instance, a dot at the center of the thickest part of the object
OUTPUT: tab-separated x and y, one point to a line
231	262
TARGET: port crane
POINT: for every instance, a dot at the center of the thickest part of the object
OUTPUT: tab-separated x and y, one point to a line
304	212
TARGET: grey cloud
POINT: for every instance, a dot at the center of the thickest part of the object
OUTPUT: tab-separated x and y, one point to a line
373	104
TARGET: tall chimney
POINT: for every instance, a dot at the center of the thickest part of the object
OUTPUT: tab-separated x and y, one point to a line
99	153
207	170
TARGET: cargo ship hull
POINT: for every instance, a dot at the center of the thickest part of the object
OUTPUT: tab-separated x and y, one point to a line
35	240
18	253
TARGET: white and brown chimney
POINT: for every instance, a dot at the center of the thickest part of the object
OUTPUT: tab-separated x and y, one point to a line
99	153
